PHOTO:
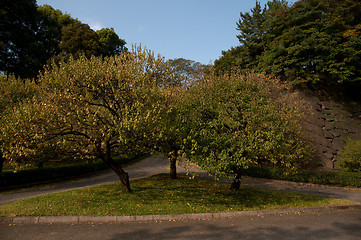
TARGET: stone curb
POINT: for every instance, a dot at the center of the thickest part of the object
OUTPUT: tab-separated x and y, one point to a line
170	217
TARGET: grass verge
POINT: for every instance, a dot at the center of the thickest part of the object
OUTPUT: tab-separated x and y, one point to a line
161	195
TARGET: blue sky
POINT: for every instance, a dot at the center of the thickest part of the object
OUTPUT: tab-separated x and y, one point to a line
192	29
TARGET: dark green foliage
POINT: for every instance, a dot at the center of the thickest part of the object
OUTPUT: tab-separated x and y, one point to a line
32	36
77	39
350	157
316	42
235	58
49	33
110	43
313	42
255	32
17	37
251	27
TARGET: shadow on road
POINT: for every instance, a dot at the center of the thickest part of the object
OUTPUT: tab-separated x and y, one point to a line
297	227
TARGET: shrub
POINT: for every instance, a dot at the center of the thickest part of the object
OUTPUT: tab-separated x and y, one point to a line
350	157
29	177
350	179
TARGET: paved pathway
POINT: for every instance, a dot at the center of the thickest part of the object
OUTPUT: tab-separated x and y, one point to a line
144	168
159	164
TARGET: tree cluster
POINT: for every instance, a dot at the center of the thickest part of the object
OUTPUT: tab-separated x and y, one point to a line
317	43
101	107
32	36
96	100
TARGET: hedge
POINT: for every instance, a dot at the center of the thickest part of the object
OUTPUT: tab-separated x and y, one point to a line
29	177
336	178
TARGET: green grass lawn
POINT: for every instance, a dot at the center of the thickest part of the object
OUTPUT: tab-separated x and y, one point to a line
161	195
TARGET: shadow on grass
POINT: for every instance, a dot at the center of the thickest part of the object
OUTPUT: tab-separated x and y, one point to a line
201	195
159	195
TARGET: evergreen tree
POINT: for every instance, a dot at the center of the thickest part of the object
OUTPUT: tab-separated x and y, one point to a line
254	35
317	42
31	35
17	37
78	38
110	43
49	33
251	30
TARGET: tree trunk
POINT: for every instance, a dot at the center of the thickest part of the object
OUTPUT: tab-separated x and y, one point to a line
173	168
172	156
2	161
236	184
124	179
123	176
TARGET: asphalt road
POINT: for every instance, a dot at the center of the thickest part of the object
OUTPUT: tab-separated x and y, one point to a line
340	225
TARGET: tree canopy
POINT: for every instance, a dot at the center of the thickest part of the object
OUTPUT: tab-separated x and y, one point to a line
312	42
95	99
235	121
13	92
17	41
91	108
189	69
31	35
78	38
110	43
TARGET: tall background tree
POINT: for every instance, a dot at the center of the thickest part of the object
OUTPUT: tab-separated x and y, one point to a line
189	69
251	27
77	39
32	36
17	37
311	43
317	42
50	23
110	43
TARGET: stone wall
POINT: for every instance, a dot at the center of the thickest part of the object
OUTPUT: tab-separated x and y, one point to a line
329	125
